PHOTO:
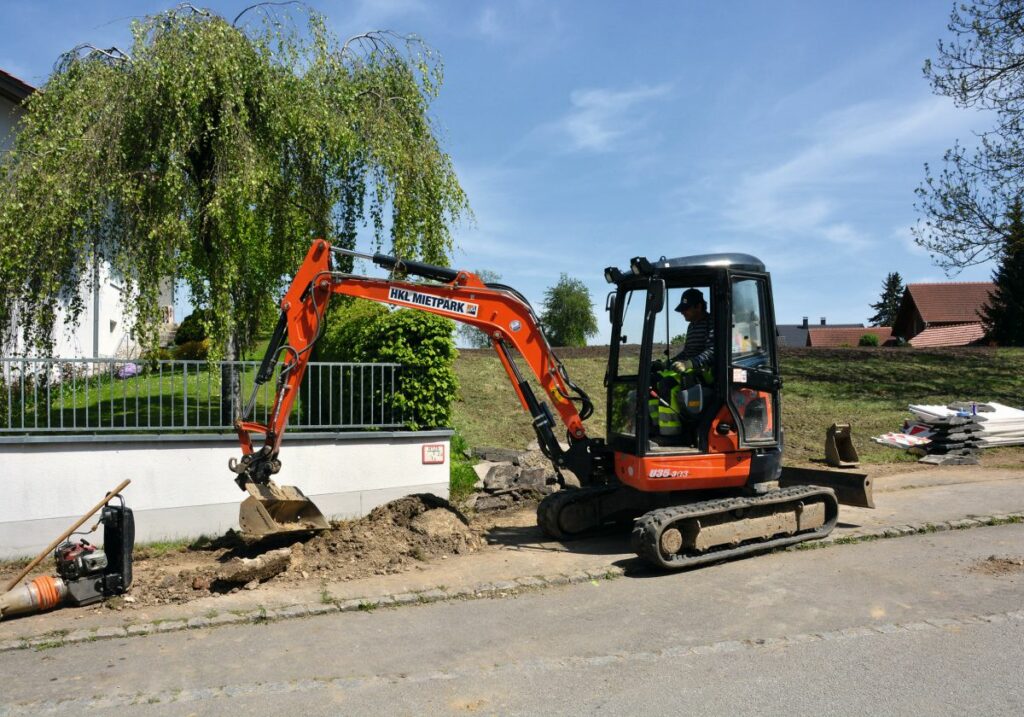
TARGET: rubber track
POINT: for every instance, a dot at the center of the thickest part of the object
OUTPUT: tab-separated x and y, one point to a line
550	510
648	528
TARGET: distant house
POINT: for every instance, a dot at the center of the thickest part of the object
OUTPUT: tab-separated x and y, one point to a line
796	334
942	314
102	330
834	337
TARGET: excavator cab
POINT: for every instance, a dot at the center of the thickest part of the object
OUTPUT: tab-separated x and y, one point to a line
717	426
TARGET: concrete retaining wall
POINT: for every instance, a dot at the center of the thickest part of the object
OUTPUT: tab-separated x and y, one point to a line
182	488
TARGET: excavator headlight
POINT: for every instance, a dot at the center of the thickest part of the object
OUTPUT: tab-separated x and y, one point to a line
640	265
612	275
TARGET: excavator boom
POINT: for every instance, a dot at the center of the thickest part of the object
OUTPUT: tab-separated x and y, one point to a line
499	311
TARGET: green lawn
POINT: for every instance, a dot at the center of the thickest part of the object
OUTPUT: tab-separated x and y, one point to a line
868	388
166	396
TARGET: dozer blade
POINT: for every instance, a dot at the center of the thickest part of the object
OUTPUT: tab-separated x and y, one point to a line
852	489
273	509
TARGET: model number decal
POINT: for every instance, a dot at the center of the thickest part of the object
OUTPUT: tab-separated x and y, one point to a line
415	298
667	473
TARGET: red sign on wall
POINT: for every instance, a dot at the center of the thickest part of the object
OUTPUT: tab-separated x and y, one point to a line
433	453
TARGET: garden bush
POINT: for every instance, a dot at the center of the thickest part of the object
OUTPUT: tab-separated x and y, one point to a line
192	350
192	328
363	331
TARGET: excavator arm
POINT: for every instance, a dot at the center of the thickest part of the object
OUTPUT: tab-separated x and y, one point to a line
500	312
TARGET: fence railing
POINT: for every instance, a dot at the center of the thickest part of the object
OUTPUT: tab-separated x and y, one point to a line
114	395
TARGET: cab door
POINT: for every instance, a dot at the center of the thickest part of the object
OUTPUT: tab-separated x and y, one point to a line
752	379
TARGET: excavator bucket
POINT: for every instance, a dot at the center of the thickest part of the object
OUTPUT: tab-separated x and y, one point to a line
273	509
839	449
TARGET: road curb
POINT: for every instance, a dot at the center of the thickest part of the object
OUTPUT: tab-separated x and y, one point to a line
479	591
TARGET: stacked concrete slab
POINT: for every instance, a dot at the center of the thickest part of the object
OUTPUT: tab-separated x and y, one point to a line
1000	425
955	440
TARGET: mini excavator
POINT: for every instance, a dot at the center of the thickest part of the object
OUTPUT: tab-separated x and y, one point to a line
696	466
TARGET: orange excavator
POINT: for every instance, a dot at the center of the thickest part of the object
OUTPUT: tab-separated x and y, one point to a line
695	461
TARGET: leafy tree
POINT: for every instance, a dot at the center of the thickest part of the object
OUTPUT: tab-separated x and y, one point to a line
982	67
868	340
568	315
889	304
213	152
1003	316
473	337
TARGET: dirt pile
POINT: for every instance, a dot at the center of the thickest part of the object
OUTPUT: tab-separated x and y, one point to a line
392	538
388	540
1000	565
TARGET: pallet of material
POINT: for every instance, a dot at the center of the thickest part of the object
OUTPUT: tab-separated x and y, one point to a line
993	424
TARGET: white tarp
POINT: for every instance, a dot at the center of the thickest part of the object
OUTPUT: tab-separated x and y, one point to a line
900	440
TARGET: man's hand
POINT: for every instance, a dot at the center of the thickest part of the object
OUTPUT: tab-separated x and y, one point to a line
684	366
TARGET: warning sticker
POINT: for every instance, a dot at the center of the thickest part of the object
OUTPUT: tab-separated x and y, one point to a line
415	298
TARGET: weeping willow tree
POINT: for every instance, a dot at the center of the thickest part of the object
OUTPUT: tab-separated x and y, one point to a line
211	152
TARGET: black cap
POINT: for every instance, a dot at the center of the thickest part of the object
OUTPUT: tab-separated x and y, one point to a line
691	297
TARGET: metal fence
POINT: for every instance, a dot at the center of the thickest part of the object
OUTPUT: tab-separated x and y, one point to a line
113	395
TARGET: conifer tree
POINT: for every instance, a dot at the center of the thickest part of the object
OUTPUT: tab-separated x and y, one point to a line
889	304
1003	316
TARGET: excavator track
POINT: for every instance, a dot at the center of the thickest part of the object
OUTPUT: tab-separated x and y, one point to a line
573	513
686	536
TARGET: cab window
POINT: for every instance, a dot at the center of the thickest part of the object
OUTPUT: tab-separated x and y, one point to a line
748	325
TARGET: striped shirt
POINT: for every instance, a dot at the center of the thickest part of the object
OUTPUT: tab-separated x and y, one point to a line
700	343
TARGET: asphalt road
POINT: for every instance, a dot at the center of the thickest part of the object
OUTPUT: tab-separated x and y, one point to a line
912	625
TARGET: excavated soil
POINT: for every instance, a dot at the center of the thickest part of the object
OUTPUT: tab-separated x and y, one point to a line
393	538
999	565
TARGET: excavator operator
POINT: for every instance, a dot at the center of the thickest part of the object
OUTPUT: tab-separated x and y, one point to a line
699	348
691	366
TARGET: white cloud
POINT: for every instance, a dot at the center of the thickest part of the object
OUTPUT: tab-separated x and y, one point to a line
368	15
488	24
527	30
802	197
904	237
602	119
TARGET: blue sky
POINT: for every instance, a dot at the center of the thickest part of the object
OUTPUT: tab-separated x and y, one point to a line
589	132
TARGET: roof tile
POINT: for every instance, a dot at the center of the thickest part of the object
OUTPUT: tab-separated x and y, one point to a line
834	337
959	335
951	302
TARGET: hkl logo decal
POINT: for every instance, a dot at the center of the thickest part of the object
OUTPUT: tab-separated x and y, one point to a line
414	298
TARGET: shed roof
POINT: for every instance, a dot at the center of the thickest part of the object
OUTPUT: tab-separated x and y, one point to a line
954	302
957	335
834	337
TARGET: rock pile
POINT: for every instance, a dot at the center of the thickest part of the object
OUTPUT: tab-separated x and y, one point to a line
508	478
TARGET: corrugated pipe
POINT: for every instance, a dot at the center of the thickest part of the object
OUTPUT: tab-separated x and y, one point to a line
41	594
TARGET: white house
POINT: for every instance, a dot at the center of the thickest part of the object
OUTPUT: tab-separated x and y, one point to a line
102	331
